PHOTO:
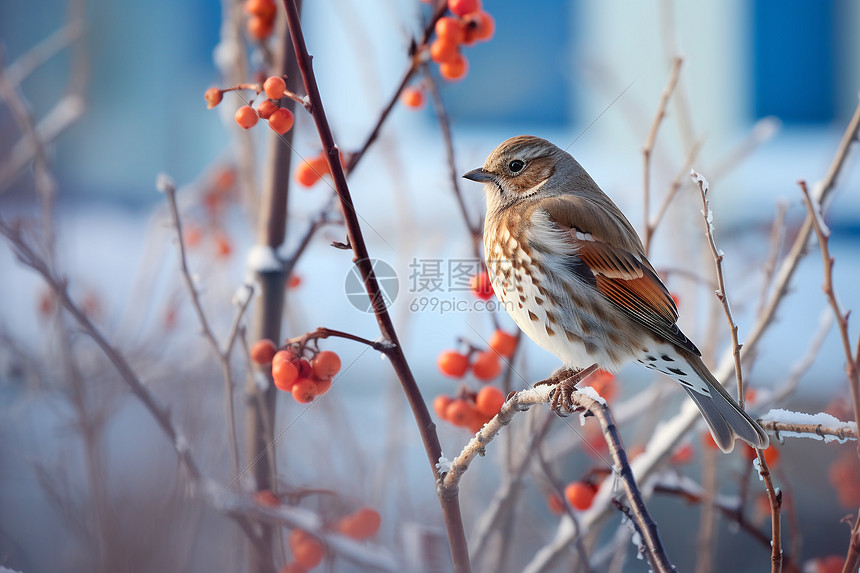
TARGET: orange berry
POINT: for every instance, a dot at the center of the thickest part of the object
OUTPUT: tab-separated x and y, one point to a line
263	351
267	498
455	69
284	371
304	390
260	28
325	364
579	494
844	476
450	29
481	285
749	395
683	455
503	343
771	455
213	97
444	50
440	405
323	386
452	363
604	383
675	298
192	236
264	9
361	524
294	281
486	365
460	413
311	170
479	27
305	370
555	504
281	120
266	109
489	401
708	441
274	87
308	551
412	97
223	247
463	7
246	117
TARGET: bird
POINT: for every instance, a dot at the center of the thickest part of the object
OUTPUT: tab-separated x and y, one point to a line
571	271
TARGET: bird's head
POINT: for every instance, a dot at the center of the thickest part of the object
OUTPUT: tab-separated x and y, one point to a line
522	169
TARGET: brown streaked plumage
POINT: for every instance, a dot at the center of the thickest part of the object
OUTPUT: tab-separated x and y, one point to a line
572	272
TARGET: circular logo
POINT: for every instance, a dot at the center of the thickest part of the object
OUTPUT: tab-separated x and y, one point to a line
387	280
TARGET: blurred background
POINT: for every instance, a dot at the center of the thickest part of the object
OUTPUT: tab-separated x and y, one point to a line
766	89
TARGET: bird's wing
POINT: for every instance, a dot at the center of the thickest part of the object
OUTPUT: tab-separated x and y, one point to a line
604	243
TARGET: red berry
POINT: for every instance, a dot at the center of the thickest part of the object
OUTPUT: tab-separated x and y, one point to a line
683	455
361	524
450	29
479	27
412	97
444	50
246	117
486	365
440	405
580	495
555	504
267	498
304	390
463	7
260	28
281	120
460	413
284	371
308	551
213	97
264	9
482	286
503	343
263	351
708	441
455	69
452	363
266	109
274	87
325	364
489	401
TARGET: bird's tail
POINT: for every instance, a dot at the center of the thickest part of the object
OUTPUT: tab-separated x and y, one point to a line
724	417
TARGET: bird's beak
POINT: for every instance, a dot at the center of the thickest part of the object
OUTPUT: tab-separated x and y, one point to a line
479	175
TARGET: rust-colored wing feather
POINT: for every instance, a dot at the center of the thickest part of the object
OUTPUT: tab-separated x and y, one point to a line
602	238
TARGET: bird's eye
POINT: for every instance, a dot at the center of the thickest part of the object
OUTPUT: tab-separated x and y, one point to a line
516	165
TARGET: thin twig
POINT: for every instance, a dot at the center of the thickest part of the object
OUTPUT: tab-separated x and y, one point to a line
674	187
169	188
777	237
322	333
648	148
721	281
815	431
774	496
46	49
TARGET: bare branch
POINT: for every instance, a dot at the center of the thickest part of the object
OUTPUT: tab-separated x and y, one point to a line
721	281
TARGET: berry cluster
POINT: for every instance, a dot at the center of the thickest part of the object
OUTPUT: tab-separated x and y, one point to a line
485	364
468	25
308	551
261	21
280	118
469	409
304	379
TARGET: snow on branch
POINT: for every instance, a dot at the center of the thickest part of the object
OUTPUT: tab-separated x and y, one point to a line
821	426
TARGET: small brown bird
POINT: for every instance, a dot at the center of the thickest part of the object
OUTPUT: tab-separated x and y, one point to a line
571	271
